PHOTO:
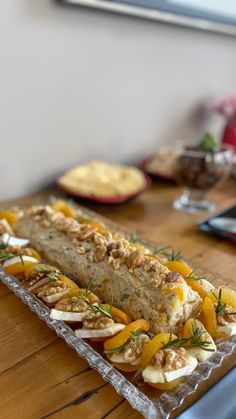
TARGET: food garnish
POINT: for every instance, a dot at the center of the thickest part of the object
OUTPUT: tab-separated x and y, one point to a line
10	216
126	334
207	143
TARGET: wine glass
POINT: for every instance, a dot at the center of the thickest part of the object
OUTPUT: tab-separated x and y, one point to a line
199	171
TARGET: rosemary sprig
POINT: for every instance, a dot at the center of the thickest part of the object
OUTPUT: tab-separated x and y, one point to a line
52	275
175	255
22	260
118	349
194	340
195	276
2	245
88	288
105	310
170	254
135	238
6	255
220	308
133	337
161	250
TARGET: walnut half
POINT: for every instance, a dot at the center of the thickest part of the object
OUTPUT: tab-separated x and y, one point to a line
135	259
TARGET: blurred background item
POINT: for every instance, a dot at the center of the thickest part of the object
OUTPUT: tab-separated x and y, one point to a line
78	85
162	164
199	168
103	182
227	108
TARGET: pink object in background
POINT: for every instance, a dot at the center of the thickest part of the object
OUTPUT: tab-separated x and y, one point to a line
227	108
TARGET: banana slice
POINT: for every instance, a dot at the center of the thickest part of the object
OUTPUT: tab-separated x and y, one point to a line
97	333
13	241
18	259
156	375
68	316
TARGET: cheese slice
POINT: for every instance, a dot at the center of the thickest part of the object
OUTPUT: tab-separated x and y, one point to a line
6	226
68	316
18	259
200	353
207	285
97	333
182	372
54	297
13	241
229	329
39	284
118	358
153	375
156	375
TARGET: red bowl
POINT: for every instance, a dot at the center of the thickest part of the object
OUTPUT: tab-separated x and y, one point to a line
157	174
118	199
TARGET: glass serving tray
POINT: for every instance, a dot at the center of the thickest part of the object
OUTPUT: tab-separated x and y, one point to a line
161	406
151	403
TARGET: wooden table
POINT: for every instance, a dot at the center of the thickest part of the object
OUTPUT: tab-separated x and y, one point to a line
40	376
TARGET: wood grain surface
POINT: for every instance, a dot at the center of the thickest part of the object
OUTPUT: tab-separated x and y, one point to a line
40	376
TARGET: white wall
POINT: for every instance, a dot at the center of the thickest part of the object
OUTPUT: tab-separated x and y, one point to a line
78	84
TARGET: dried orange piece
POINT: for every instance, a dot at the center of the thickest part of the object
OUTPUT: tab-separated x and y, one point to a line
179	266
228	296
67	281
166	386
37	267
8	215
34	254
119	316
19	268
63	206
154	345
77	292
92	223
125	334
196	286
208	318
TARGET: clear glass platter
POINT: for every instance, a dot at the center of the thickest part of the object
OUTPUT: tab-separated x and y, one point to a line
151	403
151	407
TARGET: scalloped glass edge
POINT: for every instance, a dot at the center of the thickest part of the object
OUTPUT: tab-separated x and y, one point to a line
163	406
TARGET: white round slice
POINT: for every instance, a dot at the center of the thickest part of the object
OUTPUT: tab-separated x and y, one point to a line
200	353
229	329
156	375
97	333
18	259
153	375
182	372
68	316
208	286
39	283
54	297
13	241
118	357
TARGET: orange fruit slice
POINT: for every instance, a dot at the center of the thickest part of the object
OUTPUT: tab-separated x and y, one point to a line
179	266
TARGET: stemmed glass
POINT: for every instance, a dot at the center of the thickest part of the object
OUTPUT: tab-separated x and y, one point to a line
199	171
